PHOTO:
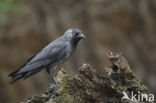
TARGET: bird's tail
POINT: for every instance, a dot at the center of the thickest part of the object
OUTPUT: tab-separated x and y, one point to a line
15	76
24	75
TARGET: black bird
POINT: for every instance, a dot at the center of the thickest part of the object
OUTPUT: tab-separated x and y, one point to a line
54	54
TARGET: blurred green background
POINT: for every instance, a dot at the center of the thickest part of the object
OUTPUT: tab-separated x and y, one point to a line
26	26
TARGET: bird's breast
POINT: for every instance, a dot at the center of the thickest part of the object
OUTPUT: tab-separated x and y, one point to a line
68	52
69	49
65	53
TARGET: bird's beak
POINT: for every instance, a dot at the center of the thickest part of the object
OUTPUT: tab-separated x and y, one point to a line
83	36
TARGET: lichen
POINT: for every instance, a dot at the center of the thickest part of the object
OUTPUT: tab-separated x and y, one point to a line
90	87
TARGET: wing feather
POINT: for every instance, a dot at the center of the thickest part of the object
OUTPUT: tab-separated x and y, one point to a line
48	55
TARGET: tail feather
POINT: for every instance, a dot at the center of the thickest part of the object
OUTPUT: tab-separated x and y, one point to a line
25	71
16	76
28	74
13	74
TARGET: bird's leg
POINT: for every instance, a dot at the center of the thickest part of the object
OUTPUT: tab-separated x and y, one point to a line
53	77
56	82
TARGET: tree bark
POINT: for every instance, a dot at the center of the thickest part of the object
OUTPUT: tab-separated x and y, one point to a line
90	87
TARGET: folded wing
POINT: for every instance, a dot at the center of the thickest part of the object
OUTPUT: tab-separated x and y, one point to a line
36	63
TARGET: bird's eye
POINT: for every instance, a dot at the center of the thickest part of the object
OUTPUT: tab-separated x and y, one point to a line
76	34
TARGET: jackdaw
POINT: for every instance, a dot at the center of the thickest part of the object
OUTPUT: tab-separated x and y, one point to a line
54	54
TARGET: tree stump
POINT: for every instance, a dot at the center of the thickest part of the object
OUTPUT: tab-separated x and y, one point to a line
90	87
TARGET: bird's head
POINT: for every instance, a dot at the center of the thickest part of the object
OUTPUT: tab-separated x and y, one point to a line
74	35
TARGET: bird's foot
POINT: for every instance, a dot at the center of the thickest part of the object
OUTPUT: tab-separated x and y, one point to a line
51	87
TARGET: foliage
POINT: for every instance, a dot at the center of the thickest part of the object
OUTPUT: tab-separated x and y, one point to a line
7	6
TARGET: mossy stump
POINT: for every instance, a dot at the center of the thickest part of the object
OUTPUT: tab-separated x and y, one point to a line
90	87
